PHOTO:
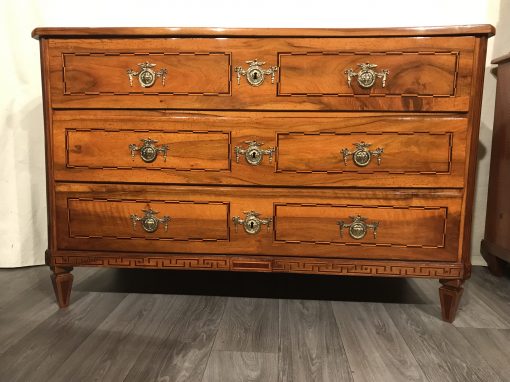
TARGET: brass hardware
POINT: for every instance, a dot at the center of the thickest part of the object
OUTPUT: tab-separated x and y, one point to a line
149	220
251	223
367	75
255	73
358	227
148	151
253	153
147	76
362	155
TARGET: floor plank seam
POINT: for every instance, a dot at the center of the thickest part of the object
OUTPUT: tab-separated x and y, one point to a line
214	341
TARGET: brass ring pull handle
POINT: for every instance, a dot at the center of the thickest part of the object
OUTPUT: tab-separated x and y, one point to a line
253	153
147	76
149	220
367	75
362	155
255	73
148	151
251	223
358	227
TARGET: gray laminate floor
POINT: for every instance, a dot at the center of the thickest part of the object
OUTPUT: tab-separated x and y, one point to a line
168	326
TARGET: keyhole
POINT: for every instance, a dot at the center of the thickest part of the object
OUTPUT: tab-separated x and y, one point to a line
255	75
251	225
254	155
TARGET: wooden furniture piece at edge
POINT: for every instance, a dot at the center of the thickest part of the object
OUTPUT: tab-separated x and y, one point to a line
495	247
463	102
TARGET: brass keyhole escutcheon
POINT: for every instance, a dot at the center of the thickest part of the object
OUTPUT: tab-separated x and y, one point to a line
252	223
253	153
255	73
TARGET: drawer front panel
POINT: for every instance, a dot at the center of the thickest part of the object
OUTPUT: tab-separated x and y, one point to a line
411	224
125	219
172	73
413	73
385	152
179	150
395	226
309	150
399	74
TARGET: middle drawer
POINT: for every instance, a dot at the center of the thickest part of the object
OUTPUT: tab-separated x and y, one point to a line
279	149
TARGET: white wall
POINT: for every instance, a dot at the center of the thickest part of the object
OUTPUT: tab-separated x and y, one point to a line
22	195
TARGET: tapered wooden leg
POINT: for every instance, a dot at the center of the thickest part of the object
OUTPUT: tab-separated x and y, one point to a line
449	294
62	280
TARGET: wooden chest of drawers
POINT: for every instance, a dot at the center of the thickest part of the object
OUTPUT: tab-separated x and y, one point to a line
346	152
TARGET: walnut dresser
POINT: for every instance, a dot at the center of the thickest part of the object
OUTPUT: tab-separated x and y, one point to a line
327	151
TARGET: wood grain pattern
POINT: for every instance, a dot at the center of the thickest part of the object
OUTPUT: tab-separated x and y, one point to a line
488	304
439	351
405	152
472	149
199	73
418	149
27	305
97	217
109	149
270	32
411	74
303	223
425	119
230	366
491	345
310	343
248	326
189	220
374	347
31	352
452	75
121	338
142	320
182	354
262	264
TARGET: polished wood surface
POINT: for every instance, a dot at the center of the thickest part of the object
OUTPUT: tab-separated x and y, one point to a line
419	150
268	32
413	224
420	125
199	73
496	244
425	73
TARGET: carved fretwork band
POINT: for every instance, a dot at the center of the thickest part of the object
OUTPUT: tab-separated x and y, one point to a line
283	265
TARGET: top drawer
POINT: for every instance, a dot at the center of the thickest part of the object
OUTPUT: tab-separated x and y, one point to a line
399	74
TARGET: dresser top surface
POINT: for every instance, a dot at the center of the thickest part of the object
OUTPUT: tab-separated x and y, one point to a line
141	32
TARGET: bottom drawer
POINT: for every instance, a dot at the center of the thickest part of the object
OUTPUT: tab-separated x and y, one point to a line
362	224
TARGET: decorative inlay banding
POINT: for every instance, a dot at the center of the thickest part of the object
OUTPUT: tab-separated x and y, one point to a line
89	72
283	265
446	63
